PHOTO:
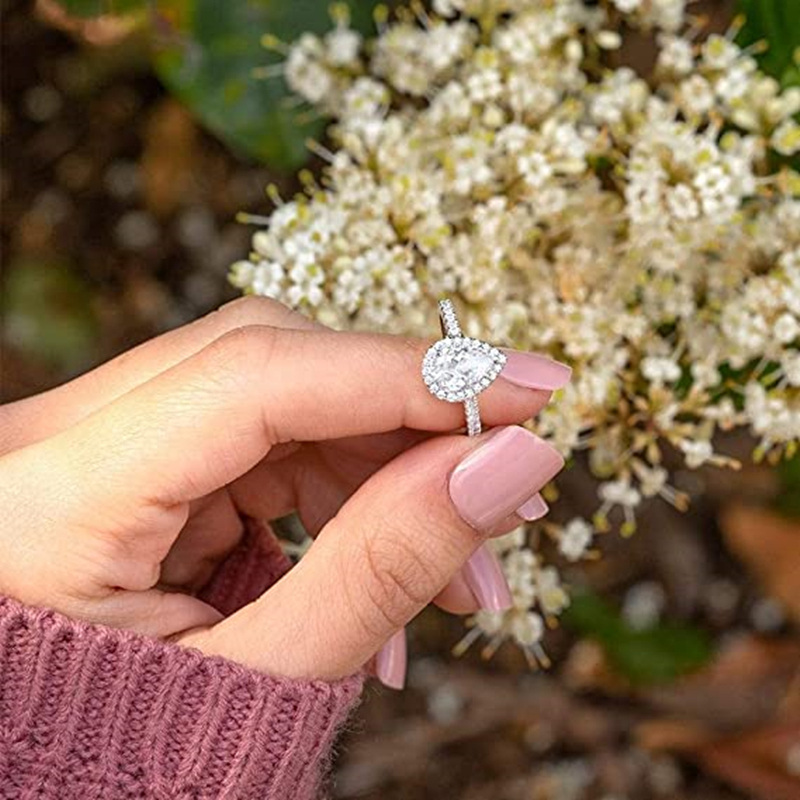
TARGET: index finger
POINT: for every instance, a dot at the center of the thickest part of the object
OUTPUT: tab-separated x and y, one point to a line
33	418
212	417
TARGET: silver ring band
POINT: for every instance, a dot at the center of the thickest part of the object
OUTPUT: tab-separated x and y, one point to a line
473	413
448	319
451	328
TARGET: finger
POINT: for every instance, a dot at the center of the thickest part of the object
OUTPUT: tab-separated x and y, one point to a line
151	612
43	415
304	482
318	485
212	417
308	483
318	490
316	479
457	597
391	549
214	526
213	530
391	661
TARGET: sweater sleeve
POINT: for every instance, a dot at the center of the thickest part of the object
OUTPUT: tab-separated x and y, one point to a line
96	713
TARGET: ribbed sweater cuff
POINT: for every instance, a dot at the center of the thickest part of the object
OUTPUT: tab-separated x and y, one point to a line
93	712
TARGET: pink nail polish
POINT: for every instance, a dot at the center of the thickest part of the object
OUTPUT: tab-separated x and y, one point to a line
484	576
501	475
533	509
534	371
390	661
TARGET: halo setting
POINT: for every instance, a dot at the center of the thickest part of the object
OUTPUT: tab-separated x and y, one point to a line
458	368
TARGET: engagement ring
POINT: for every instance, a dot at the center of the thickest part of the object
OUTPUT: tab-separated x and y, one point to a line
457	369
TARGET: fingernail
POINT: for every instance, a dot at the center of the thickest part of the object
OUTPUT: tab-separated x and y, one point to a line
532	509
390	661
534	371
501	475
484	576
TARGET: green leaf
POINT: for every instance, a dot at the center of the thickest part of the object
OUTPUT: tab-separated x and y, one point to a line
211	71
777	22
47	313
654	655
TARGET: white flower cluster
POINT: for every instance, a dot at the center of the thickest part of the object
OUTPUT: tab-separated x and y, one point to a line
646	232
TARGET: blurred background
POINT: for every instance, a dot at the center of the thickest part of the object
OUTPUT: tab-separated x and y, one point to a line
129	143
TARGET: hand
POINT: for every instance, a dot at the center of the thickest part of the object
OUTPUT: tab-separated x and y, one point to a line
131	480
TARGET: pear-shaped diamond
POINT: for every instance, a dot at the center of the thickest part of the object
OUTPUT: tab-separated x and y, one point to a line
458	368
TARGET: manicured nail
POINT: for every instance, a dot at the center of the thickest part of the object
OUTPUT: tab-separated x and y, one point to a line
484	576
390	661
533	509
501	475
534	371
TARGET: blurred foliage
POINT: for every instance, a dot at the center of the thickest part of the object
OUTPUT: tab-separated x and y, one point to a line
777	22
96	8
210	57
208	54
789	479
652	655
47	312
212	71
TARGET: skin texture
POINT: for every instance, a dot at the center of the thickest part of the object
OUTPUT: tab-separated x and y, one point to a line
121	490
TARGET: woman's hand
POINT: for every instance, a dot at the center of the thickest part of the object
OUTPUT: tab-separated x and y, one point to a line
128	483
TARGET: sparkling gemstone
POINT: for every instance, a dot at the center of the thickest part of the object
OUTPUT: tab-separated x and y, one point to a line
458	368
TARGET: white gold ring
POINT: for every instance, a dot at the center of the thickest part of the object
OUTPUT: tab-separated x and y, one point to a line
457	369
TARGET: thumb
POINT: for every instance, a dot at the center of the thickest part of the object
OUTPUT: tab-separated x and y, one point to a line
389	551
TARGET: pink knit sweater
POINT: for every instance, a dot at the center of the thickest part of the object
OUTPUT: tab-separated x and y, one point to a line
95	713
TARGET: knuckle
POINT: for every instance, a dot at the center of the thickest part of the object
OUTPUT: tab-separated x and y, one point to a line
241	351
253	310
400	579
241	363
410	349
412	344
